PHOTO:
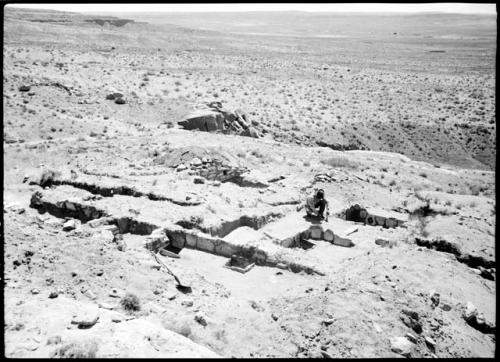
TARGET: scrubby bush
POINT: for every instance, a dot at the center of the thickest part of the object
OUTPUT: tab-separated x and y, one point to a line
340	161
130	302
86	349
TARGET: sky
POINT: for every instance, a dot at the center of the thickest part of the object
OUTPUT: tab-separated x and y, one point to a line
464	8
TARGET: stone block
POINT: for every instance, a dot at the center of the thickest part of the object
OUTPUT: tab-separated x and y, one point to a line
205	244
341	241
316	232
191	240
380	220
328	235
225	249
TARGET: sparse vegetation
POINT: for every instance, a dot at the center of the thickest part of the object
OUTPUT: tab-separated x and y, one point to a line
86	349
130	302
340	161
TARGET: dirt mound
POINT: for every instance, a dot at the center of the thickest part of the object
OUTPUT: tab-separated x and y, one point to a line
184	155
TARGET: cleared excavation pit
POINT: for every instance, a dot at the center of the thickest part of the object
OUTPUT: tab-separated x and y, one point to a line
239	264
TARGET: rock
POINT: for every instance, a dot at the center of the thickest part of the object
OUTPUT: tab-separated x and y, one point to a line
430	342
54	340
411	319
199	180
327	322
200	319
411	337
69	225
107	236
181	167
435	299
118	317
324	354
35	291
470	311
89	294
188	302
120	101
115	293
446	307
253	178
24	88
401	345
196	162
107	306
250	132
256	306
53	295
206	160
113	96
86	319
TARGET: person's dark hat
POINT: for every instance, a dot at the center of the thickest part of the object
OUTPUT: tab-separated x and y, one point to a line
320	194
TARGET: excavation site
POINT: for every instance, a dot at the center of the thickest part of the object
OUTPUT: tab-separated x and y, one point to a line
260	184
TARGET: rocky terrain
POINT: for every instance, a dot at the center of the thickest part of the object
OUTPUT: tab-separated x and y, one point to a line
131	231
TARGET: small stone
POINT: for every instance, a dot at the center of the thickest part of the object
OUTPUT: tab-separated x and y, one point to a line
53	295
187	302
115	293
199	180
401	345
411	337
35	291
446	307
430	342
216	183
181	167
171	295
196	162
86	319
327	322
69	225
435	299
89	294
256	306
54	340
105	305
118	317
282	266
470	311
200	319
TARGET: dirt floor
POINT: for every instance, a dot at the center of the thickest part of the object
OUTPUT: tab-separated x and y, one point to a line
93	190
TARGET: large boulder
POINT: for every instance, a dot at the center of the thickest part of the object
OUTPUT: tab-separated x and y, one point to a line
208	121
214	118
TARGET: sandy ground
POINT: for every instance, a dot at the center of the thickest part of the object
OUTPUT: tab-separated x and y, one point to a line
370	300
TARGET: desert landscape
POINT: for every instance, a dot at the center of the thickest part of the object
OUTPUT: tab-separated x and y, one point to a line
156	168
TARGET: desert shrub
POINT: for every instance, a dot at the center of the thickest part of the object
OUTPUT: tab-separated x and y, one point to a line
257	153
48	176
130	302
86	349
340	161
475	190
